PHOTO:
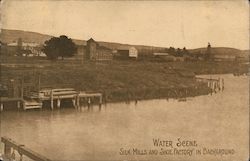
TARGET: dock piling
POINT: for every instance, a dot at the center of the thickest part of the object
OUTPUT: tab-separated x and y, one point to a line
1	107
18	105
74	102
58	103
100	99
78	101
51	100
7	150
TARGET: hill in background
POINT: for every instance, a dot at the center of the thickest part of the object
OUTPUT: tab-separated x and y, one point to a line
8	36
220	50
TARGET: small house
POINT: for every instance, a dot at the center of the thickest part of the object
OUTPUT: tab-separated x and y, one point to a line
26	48
126	53
223	57
133	53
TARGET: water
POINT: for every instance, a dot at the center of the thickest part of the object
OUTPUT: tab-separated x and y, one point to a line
214	121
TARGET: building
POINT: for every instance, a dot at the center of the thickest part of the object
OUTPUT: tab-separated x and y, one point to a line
242	58
3	48
96	52
80	53
223	57
167	57
126	53
26	49
133	53
103	53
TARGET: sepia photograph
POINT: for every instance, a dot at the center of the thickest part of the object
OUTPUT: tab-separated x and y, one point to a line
124	80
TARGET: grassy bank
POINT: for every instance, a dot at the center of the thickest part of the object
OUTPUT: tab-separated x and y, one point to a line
203	67
121	81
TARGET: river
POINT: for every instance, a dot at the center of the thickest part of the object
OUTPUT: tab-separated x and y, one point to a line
213	121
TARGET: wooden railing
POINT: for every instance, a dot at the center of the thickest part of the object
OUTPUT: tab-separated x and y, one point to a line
10	146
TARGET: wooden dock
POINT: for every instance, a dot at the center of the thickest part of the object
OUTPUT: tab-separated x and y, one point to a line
11	146
35	99
214	84
32	104
7	99
58	94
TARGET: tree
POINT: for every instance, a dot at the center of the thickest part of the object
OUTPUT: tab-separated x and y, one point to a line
171	50
178	52
59	47
185	51
208	52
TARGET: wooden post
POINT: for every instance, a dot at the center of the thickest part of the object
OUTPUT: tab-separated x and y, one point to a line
7	150
100	100
24	105
22	82
222	84
136	101
219	84
78	100
74	102
18	105
39	83
1	106
88	102
58	103
51	100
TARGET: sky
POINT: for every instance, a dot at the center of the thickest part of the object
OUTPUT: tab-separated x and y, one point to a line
159	23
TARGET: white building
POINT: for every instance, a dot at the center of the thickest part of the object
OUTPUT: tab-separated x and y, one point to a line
34	48
133	52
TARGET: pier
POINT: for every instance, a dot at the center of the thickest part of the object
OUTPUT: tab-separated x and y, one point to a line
3	100
11	148
34	100
59	94
214	84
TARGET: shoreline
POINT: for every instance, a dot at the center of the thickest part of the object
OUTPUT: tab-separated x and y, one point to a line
123	81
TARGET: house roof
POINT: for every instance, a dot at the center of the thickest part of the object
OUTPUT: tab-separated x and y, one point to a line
98	45
91	40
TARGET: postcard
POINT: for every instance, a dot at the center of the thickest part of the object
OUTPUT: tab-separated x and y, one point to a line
124	80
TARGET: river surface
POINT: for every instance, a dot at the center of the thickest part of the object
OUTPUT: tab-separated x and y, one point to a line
214	121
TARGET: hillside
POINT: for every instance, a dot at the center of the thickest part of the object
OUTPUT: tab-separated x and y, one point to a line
221	50
8	36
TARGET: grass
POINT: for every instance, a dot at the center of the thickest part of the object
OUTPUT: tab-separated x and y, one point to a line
119	80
